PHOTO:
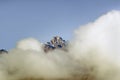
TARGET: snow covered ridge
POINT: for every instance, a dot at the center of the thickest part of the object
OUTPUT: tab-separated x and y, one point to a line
93	54
3	51
56	43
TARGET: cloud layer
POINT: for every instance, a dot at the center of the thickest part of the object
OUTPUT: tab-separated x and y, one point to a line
93	54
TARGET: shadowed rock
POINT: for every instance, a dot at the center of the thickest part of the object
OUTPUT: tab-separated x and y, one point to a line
3	51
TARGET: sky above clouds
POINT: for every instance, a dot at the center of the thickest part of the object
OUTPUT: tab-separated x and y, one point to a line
43	19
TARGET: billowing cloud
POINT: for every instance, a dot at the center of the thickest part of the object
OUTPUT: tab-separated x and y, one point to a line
93	54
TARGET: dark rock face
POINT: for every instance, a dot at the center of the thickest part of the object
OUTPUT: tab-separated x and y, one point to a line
56	43
3	51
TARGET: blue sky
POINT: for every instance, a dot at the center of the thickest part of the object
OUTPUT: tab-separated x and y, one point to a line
43	19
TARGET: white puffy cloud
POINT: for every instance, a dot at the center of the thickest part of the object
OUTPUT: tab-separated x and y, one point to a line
93	53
